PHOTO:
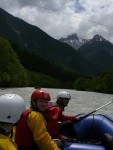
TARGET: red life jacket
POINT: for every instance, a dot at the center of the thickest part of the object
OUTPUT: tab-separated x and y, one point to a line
23	136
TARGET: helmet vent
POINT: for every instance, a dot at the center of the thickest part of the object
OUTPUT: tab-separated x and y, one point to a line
8	117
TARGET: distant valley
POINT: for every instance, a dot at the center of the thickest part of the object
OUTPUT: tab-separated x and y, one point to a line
34	40
30	57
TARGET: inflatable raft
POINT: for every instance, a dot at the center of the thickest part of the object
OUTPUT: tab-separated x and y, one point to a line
90	131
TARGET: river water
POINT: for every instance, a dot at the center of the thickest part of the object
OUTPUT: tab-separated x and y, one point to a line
81	102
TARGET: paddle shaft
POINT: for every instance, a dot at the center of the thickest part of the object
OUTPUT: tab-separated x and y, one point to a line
97	109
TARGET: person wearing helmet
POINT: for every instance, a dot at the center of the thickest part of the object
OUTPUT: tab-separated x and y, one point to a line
31	130
11	108
55	116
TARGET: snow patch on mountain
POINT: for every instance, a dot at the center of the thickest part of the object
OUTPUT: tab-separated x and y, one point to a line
74	41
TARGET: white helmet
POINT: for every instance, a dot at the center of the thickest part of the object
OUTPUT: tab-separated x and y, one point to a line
63	94
11	107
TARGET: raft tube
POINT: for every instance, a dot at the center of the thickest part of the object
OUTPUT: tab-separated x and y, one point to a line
95	126
79	146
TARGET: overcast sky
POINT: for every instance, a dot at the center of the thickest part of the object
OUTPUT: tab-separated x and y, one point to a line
60	18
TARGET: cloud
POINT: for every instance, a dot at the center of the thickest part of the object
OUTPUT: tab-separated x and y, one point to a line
59	18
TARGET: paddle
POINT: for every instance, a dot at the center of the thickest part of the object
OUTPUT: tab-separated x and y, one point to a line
96	109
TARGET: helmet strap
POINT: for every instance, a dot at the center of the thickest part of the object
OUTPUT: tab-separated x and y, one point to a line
60	103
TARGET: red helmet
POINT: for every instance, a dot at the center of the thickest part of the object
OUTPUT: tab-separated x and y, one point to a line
40	94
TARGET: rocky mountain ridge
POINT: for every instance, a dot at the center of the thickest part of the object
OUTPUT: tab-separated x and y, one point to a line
73	40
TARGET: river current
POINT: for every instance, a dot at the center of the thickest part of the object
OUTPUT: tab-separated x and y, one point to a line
81	102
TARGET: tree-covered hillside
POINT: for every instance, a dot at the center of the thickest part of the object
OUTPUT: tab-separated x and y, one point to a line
12	73
36	71
102	83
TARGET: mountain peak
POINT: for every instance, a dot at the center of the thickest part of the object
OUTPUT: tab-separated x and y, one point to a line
73	40
73	36
98	38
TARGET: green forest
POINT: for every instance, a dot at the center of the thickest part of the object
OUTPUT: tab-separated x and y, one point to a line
20	68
